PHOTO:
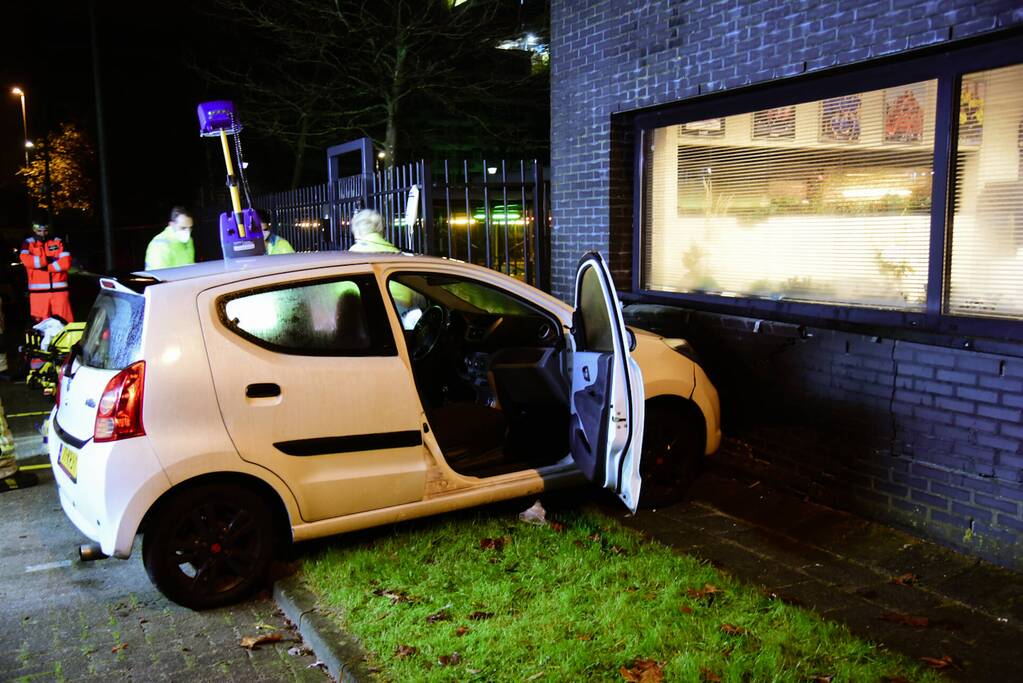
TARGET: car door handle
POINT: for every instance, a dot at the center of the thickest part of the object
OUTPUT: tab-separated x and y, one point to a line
262	390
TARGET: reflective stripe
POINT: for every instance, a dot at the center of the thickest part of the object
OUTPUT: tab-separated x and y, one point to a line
63	254
48	286
37	262
60	285
30	239
24	251
56	267
45	285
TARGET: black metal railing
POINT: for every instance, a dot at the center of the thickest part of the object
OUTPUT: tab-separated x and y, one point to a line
492	214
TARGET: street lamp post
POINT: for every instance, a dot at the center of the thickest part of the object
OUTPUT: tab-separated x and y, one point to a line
24	120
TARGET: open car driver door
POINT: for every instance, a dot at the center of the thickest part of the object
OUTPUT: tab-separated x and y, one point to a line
606	401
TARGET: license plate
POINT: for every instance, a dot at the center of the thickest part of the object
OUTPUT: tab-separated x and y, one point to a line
68	462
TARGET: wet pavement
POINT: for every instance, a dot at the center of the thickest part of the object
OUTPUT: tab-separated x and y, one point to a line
62	619
909	595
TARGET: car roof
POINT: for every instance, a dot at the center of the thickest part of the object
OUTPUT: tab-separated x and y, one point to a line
279	263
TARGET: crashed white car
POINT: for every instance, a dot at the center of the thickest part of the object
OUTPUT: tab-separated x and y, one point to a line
224	408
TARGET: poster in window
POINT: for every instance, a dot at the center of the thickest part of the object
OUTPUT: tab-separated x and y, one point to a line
775	124
903	113
971	112
840	119
707	127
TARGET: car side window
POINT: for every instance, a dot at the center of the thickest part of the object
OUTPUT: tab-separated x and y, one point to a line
596	324
341	317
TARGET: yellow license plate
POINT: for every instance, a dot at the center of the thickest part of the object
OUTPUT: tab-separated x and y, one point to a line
68	462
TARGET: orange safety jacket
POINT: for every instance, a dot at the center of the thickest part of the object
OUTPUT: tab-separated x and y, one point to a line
47	264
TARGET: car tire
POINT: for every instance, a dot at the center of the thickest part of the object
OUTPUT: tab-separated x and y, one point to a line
673	444
209	546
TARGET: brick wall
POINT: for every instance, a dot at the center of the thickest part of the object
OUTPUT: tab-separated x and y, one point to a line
612	56
923	436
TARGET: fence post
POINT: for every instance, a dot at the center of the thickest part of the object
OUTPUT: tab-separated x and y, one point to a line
426	197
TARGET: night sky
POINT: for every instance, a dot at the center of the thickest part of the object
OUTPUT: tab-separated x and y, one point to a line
155	157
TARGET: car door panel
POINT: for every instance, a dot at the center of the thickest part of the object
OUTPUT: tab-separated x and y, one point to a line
606	433
320	422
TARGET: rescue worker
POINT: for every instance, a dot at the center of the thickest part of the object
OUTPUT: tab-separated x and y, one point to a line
368	230
174	246
47	263
275	244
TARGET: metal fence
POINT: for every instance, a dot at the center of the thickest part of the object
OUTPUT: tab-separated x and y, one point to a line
492	214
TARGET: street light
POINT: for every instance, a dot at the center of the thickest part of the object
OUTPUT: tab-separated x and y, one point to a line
24	119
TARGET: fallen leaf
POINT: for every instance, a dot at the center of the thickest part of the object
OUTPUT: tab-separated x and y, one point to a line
822	679
907	579
253	642
118	648
441	615
732	629
535	676
461	630
906	619
395	596
616	550
492	543
643	671
143	620
631	589
943	663
480	616
595	537
317	665
708	590
687	610
452	659
265	627
585	636
403	651
557	527
534	515
709	676
299	650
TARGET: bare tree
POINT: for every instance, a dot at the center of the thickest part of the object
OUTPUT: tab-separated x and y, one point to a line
316	70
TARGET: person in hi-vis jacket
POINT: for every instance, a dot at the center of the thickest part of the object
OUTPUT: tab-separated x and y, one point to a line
47	262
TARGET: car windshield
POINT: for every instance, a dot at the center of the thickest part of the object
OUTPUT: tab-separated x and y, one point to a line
113	334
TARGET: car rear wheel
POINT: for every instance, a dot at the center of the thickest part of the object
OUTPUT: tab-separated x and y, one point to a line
209	546
673	442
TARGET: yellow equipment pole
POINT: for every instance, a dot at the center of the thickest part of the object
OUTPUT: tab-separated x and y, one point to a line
236	199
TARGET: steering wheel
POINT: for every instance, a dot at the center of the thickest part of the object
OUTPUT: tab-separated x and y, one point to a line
427	331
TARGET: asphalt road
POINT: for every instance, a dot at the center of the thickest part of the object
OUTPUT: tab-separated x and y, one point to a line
62	619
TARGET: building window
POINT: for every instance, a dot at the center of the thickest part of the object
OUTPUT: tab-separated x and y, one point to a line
822	201
986	274
890	194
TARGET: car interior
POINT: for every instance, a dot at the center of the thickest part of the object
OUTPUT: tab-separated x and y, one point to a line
489	371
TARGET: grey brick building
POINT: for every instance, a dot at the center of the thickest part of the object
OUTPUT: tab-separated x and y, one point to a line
827	198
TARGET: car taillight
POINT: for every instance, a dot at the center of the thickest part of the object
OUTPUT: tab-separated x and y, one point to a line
119	415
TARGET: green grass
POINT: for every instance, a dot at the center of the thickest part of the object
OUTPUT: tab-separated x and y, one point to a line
574	605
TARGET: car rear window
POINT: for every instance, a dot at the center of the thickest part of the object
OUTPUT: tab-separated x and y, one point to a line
113	335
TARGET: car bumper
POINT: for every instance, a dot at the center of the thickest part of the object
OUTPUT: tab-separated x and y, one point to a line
115	486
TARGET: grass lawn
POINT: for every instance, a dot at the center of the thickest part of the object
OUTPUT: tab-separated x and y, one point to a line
584	599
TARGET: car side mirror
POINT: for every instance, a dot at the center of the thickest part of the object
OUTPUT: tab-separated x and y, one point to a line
632	338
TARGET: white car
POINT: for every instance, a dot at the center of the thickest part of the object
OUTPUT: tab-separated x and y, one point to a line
223	408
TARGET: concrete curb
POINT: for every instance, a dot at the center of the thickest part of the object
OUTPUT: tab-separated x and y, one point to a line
338	650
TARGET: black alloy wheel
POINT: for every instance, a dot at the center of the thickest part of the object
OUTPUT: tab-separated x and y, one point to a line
209	546
673	442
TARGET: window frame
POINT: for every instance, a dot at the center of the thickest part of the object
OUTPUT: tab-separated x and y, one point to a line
382	342
946	64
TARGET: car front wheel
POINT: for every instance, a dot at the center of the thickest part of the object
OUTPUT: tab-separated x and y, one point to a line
673	443
209	546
